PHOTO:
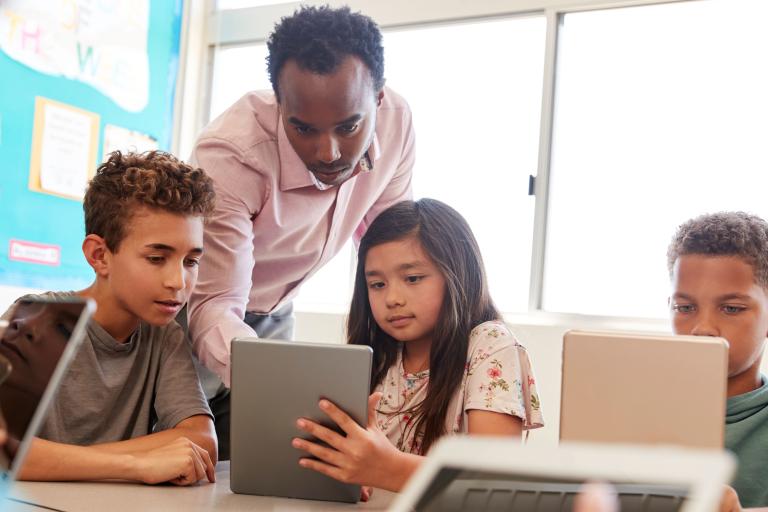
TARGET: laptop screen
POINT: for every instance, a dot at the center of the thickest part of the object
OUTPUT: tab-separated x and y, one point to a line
35	335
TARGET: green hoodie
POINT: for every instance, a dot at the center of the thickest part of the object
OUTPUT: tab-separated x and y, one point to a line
746	435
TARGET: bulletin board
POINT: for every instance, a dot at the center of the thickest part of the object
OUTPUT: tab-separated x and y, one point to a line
78	78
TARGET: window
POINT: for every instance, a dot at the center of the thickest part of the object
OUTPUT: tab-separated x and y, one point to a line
475	92
239	4
452	76
660	115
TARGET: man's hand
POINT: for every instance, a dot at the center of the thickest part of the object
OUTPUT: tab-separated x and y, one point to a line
181	463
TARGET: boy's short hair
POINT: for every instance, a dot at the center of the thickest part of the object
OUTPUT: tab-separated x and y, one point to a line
155	179
737	234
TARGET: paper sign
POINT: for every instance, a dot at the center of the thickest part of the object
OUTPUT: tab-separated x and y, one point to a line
64	146
32	252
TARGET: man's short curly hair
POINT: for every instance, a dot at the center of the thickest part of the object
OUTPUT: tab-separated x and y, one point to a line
154	179
320	38
724	234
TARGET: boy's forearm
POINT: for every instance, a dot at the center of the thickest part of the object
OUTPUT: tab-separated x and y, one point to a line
49	461
198	429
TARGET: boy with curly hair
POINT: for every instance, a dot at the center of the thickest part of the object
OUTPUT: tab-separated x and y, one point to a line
718	264
130	406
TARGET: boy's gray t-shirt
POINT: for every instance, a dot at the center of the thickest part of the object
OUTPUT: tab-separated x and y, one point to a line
115	391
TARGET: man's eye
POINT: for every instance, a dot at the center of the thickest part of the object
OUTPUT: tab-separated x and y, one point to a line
155	260
348	128
302	130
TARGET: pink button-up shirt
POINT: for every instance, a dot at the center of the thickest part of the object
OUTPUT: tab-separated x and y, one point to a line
272	228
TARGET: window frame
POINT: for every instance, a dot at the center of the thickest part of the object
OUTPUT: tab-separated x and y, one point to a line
252	25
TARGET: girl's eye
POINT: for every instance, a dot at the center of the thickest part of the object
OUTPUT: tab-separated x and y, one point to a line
376	285
414	279
348	128
683	308
732	310
303	130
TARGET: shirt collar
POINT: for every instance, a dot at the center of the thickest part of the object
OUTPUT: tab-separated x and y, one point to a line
293	172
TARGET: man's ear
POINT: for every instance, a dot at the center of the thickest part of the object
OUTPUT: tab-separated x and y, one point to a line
379	97
97	253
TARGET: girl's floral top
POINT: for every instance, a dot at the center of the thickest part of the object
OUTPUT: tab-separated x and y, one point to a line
498	377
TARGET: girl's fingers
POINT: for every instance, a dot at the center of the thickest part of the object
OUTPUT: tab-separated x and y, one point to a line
324	434
322	467
328	455
341	418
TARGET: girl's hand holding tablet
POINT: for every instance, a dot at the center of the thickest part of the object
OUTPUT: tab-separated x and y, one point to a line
365	456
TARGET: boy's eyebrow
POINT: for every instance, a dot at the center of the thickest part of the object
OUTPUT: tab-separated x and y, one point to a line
168	248
738	296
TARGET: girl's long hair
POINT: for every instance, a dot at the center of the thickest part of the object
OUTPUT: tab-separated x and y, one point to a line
446	237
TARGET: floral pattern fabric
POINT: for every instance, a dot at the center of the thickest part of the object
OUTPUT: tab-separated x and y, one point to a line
498	377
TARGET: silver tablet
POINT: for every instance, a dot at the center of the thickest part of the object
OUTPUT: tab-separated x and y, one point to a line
273	384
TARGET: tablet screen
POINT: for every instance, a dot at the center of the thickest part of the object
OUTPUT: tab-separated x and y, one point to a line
35	335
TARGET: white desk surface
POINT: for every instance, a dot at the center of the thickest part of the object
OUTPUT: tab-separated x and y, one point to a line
120	496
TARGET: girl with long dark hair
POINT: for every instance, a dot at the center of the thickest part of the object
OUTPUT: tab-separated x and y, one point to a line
444	362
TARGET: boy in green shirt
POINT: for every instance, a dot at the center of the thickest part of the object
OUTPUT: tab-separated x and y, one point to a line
718	264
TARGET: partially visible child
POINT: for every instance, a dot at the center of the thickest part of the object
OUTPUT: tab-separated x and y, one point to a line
130	406
718	264
444	362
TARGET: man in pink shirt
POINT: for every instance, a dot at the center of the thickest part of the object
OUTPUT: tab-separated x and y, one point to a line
298	171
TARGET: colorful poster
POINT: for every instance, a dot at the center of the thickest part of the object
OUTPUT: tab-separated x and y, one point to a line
102	69
102	43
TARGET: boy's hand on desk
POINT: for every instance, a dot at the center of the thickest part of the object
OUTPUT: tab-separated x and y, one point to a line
730	500
181	463
363	457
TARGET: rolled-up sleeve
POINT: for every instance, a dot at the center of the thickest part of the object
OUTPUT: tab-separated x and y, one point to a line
218	303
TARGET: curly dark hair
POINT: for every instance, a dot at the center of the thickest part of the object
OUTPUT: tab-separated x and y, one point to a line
320	38
737	234
155	179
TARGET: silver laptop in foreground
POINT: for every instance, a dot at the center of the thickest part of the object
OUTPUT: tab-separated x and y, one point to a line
487	474
39	339
274	383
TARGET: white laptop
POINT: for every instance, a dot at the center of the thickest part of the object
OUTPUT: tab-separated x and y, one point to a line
38	339
487	474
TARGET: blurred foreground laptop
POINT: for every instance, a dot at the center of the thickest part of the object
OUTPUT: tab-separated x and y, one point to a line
486	474
38	339
643	388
